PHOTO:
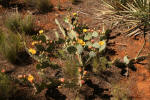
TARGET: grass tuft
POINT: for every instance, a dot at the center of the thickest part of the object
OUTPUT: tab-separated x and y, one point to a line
10	44
17	24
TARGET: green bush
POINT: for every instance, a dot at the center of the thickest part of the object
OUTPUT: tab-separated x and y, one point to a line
10	44
44	5
75	1
17	24
13	22
41	5
28	25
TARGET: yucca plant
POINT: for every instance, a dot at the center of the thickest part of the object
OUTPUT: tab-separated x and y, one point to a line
136	11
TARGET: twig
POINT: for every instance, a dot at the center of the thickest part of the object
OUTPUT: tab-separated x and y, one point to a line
82	12
143	43
131	29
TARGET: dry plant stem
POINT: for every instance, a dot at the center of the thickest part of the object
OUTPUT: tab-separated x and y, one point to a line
142	45
132	29
34	87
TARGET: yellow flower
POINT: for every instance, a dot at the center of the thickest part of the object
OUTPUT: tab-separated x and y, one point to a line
81	42
30	78
32	51
34	42
85	30
74	14
41	32
101	43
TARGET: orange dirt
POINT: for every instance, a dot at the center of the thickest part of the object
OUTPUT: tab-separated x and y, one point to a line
142	83
140	79
55	2
46	21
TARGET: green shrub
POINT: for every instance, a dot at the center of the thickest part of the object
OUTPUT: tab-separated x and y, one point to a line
41	5
13	22
10	44
17	24
28	25
44	5
74	1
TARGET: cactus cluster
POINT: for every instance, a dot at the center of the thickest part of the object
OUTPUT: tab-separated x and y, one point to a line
78	47
83	43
